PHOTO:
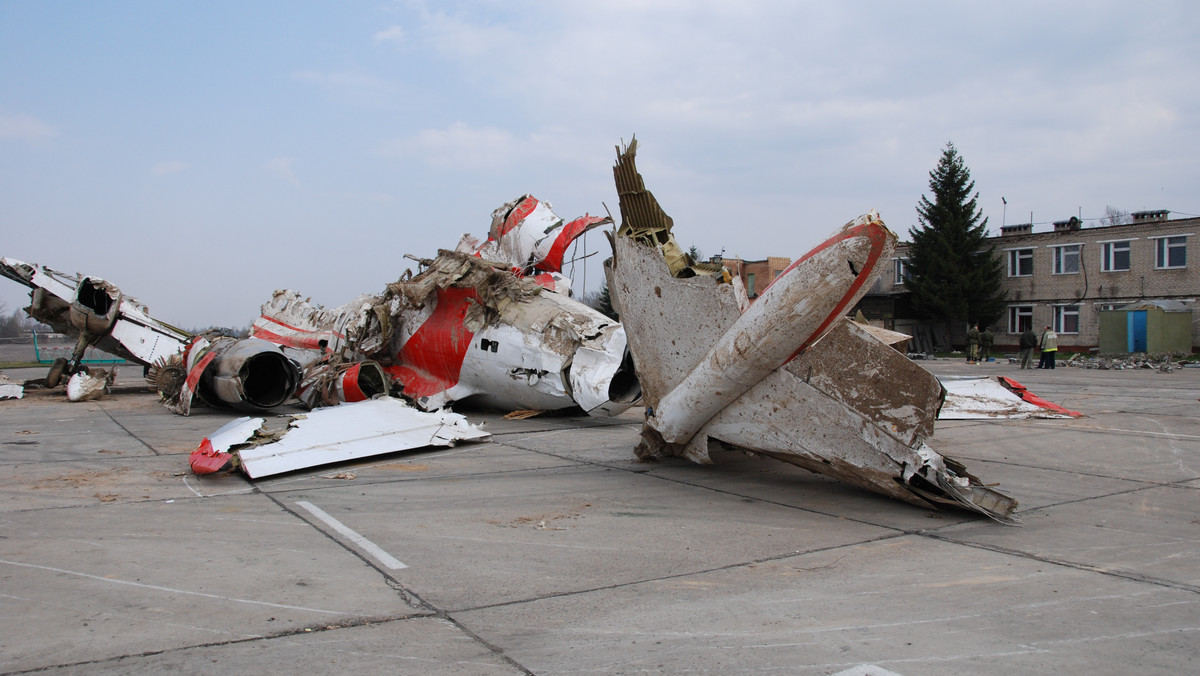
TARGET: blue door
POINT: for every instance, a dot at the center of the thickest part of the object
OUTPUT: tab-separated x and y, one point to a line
1136	325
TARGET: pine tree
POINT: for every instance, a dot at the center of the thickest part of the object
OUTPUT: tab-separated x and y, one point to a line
955	274
604	304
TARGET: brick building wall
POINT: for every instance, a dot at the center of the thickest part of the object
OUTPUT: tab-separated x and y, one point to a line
756	275
1066	276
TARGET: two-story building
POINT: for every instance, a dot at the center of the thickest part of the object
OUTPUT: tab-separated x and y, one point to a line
1065	277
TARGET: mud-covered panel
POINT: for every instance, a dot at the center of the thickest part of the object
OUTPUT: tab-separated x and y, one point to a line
670	323
792	421
853	367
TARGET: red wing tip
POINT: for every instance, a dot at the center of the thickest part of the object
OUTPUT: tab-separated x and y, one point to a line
1031	398
207	460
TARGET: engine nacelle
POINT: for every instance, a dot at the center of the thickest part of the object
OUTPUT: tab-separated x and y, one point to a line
247	374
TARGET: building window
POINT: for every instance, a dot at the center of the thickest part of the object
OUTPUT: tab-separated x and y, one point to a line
1066	318
1020	318
1115	256
1170	252
901	273
1020	262
750	285
1066	259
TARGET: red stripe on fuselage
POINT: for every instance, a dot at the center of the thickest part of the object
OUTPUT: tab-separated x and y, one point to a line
877	235
431	360
198	370
518	215
311	342
554	260
292	341
351	392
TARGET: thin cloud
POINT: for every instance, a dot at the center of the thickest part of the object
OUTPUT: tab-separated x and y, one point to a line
164	168
393	34
458	146
281	167
25	128
352	88
362	197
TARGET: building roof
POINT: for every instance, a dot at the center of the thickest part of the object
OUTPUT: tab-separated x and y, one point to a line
1164	305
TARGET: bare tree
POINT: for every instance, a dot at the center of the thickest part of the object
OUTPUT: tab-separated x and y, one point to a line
1115	216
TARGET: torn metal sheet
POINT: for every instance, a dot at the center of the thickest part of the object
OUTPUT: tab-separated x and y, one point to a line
973	398
531	240
470	328
788	377
894	339
329	435
11	389
329	383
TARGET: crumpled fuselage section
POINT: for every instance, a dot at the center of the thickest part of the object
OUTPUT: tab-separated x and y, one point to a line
787	377
467	328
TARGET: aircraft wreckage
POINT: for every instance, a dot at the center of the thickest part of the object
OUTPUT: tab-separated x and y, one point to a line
492	322
788	376
226	371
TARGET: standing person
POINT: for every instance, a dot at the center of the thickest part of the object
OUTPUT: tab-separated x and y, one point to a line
985	343
972	345
1029	340
1049	345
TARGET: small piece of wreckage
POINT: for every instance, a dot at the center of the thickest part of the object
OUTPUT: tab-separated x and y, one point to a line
788	376
974	398
328	435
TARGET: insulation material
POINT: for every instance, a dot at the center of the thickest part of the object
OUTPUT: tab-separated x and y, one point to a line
92	384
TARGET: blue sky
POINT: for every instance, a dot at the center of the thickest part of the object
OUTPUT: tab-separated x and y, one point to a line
201	155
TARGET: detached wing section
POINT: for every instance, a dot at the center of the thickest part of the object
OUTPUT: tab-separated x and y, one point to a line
787	377
329	435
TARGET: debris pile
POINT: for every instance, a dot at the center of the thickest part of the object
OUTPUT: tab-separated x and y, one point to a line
1163	363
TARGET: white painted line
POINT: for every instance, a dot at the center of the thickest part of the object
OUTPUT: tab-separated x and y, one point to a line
866	670
213	495
1169	435
171	590
365	544
189	487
